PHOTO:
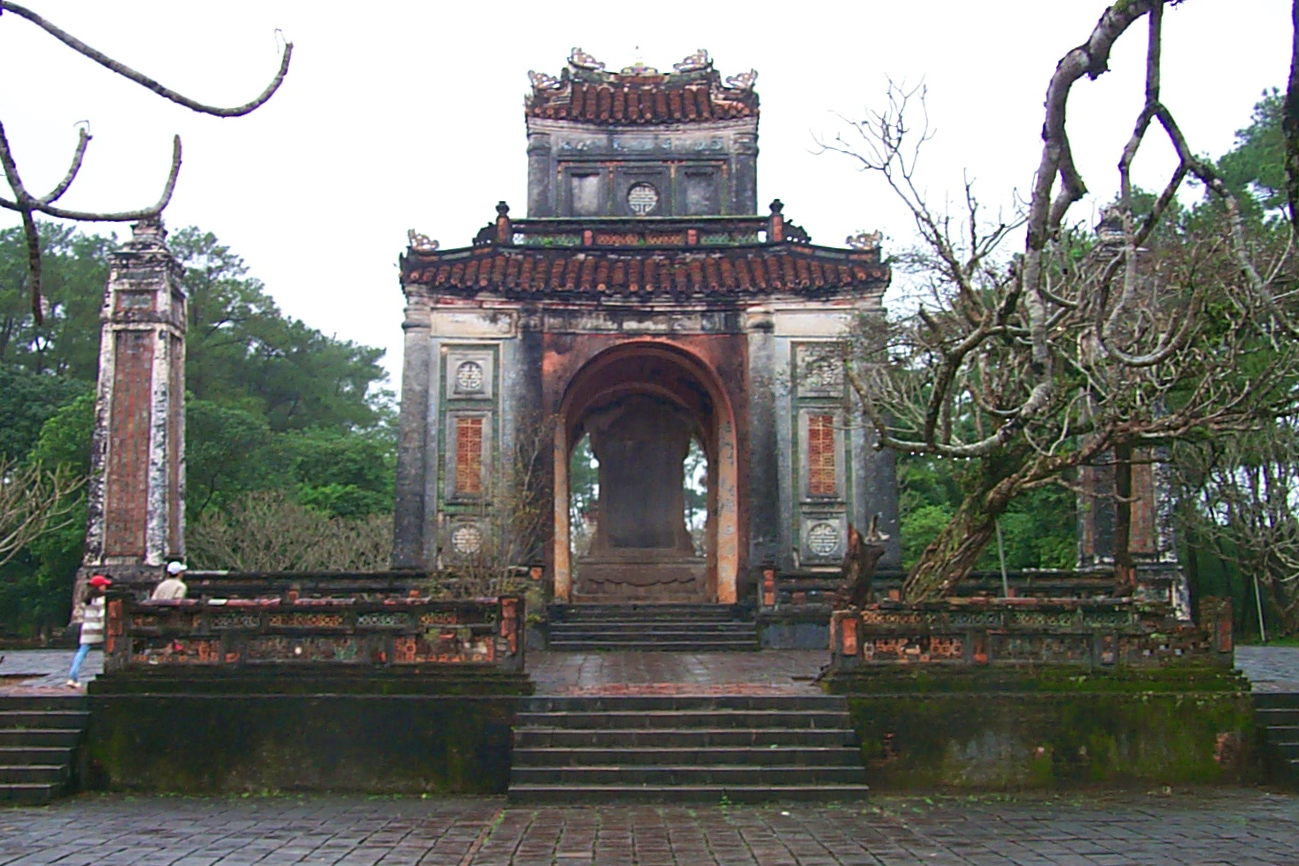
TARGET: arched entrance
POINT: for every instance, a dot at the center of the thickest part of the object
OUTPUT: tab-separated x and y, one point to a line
642	403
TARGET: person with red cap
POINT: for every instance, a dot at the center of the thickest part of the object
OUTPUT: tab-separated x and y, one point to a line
92	623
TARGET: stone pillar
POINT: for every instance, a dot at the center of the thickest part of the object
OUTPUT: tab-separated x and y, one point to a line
763	467
416	450
744	187
136	492
1125	522
541	181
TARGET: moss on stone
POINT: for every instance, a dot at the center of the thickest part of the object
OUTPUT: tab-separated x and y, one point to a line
1038	740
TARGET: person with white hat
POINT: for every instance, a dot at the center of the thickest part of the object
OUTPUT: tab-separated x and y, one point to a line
173	586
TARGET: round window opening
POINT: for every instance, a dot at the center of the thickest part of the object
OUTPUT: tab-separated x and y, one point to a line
823	539
642	199
469	377
467	539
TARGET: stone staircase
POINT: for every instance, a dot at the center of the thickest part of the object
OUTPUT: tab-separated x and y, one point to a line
39	736
650	627
1278	714
729	748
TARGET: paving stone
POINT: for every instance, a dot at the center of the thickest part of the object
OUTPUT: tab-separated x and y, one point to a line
1202	827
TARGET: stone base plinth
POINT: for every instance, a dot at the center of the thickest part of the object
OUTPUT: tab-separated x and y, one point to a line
640	577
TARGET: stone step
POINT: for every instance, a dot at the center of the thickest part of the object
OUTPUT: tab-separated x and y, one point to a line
677	703
63	719
1287	750
623	612
35	794
679	719
673	627
34	774
542	793
28	754
764	755
66	738
38	740
688	774
684	747
71	701
633	645
1276	700
1283	733
695	738
1276	716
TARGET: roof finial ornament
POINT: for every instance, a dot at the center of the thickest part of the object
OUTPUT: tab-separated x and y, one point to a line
542	81
742	80
581	60
420	243
865	241
694	62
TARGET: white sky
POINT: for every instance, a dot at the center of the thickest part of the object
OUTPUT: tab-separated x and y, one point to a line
399	115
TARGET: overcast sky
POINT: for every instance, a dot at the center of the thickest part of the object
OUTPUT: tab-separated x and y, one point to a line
399	115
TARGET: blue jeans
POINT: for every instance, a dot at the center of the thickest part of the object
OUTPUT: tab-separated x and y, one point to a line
82	652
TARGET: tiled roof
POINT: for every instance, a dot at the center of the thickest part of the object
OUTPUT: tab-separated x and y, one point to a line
642	100
641	95
728	271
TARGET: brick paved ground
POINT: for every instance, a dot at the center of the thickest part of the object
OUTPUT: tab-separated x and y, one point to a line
1243	827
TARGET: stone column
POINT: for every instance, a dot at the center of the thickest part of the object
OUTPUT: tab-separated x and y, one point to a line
411	544
136	492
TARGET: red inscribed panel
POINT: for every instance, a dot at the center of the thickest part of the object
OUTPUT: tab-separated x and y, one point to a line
820	456
127	482
469	455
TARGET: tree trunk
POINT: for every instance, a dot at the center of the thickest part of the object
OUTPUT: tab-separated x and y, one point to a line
1290	122
952	555
1125	572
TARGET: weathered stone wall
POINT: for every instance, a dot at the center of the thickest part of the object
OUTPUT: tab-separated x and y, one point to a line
249	742
1084	734
586	170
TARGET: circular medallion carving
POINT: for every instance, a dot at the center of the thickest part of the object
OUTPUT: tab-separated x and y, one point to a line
823	539
467	539
469	377
642	199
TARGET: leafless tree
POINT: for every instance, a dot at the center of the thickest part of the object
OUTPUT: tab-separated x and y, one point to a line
1079	345
268	531
28	205
1241	505
34	500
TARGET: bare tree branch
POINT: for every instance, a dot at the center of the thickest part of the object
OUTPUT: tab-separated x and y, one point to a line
1036	365
28	205
145	81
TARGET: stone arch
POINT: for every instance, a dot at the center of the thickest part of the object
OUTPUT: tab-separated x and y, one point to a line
687	387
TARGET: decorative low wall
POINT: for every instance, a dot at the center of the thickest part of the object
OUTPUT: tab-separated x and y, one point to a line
1091	634
1028	693
793	609
361	683
290	630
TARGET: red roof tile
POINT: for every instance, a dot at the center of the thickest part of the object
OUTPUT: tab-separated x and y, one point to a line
599	97
726	271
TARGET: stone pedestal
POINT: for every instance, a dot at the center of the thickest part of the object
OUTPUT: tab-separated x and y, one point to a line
647	574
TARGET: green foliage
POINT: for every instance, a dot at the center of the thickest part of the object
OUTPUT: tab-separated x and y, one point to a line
273	404
243	351
1038	530
75	268
27	401
1255	166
